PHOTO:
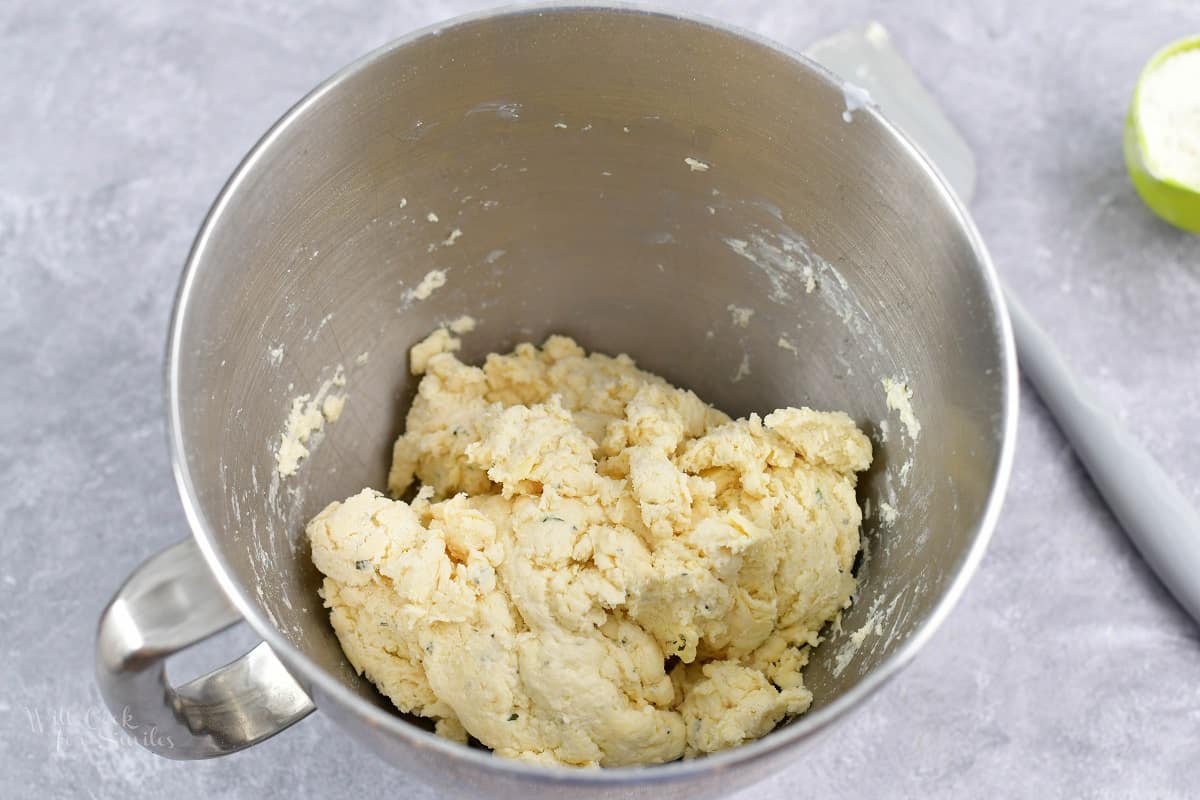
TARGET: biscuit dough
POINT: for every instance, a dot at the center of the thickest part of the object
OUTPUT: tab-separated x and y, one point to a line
598	568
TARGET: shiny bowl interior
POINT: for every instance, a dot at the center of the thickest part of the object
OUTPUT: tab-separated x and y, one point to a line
558	143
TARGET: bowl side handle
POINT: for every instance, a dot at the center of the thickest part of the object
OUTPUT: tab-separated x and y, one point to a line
169	603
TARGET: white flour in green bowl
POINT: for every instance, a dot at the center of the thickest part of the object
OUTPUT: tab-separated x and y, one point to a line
1169	113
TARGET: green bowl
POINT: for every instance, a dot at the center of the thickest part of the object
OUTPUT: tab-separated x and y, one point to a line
1171	200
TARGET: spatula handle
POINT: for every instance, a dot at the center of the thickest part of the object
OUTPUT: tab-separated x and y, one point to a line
1154	513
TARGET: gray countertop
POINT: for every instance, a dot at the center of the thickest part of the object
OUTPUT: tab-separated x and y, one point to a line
1065	671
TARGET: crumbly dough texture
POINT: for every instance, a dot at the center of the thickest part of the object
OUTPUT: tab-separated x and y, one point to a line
598	568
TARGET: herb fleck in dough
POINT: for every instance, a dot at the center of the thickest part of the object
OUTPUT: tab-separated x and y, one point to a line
598	567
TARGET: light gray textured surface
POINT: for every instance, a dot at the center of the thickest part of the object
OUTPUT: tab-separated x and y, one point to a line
1066	670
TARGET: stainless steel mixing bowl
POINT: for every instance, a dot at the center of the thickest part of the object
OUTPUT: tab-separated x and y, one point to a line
619	175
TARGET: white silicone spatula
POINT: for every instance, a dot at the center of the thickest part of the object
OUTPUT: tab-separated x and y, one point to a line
1155	515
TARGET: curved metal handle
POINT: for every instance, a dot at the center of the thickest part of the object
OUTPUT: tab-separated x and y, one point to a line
168	604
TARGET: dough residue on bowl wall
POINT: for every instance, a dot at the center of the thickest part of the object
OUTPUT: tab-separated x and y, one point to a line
433	280
849	649
899	399
740	316
463	325
743	369
305	421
